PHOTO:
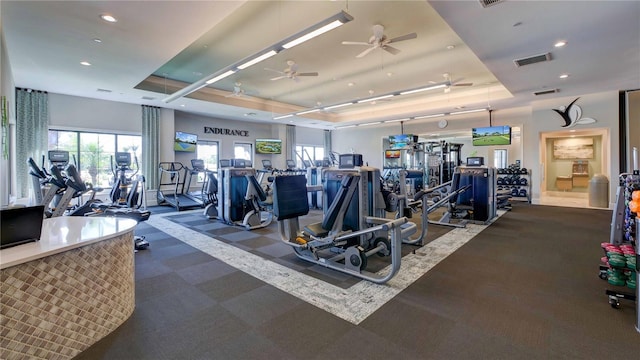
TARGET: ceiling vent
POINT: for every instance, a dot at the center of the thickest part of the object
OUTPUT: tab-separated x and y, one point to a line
104	90
545	92
487	3
532	59
148	98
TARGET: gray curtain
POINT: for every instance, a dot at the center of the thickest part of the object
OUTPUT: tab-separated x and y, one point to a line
327	143
32	128
150	148
291	142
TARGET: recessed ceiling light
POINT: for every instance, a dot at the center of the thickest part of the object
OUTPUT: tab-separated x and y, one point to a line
182	105
560	43
108	18
351	84
451	47
517	24
97	40
564	76
85	63
389	74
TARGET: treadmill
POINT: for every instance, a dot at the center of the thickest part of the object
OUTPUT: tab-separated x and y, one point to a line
171	187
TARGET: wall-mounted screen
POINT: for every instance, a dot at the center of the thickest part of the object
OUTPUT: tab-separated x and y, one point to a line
491	136
268	146
391	154
185	142
400	141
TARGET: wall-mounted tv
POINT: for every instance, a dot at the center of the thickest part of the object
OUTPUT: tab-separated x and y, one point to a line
491	136
268	146
391	154
185	142
401	141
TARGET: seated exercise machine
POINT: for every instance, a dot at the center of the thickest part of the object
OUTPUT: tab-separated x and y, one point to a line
243	201
328	243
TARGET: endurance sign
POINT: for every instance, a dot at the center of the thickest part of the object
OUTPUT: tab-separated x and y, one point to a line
221	131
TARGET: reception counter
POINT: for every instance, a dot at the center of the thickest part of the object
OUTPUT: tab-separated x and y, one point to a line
62	294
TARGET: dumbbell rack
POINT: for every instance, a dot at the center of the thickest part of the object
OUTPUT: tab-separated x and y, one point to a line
624	231
517	179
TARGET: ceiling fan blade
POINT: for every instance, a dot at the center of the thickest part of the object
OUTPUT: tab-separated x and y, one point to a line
391	49
307	74
355	43
462	84
362	54
403	38
279	77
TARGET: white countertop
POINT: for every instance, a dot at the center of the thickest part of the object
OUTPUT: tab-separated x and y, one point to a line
64	233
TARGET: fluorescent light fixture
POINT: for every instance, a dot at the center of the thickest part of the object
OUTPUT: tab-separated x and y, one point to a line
307	111
467	111
338	106
560	43
320	28
563	76
396	120
371	123
376	98
428	116
282	117
423	89
345	127
219	77
85	63
257	59
300	37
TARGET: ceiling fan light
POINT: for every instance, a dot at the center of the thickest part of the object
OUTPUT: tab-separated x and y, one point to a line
257	59
467	111
320	28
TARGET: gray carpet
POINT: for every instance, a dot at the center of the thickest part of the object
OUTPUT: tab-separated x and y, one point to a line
525	288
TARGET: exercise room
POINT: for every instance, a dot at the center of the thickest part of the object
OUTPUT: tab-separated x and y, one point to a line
326	179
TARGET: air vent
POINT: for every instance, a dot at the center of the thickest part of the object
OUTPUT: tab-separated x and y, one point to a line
545	92
148	98
532	59
104	90
487	3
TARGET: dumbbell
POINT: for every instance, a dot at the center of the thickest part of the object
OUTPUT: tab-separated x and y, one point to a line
523	181
523	192
500	181
506	181
514	192
524	171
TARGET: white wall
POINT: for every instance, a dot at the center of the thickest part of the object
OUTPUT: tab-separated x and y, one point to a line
83	114
309	136
633	126
603	107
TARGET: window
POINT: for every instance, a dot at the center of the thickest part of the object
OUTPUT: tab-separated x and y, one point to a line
208	152
91	152
308	152
243	151
500	158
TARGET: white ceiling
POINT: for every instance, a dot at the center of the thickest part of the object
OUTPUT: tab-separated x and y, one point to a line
157	47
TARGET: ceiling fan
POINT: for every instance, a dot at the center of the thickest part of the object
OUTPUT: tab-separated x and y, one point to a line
238	91
291	72
380	41
449	83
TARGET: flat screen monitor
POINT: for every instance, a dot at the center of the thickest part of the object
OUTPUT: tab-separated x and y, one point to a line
306	163
123	159
185	142
225	163
348	161
491	136
268	146
401	141
291	164
238	163
267	164
475	161
392	154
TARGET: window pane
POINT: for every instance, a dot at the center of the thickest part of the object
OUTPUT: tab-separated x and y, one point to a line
243	151
500	158
208	152
62	140
131	144
319	153
94	164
